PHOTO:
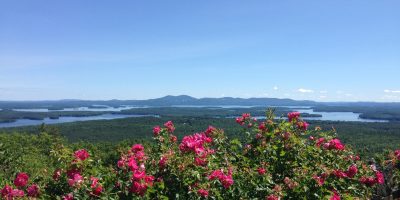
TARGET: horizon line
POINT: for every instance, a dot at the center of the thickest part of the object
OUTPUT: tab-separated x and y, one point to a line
198	98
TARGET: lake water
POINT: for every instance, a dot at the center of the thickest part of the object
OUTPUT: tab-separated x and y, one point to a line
326	116
337	116
106	108
29	122
329	116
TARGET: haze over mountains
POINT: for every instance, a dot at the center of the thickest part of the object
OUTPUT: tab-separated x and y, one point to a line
184	100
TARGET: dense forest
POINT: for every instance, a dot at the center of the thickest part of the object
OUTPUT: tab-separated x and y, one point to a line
366	138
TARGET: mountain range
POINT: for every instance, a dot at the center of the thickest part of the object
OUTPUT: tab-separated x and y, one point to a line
182	100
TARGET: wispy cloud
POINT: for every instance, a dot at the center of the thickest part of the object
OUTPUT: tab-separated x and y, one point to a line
390	98
139	54
302	90
275	88
391	91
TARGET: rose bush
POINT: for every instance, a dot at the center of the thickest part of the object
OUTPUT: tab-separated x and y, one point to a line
275	159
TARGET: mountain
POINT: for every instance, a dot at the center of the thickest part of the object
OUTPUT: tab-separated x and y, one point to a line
185	100
181	100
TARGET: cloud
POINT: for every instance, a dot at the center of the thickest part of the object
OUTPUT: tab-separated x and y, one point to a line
390	98
138	54
323	91
391	91
302	90
275	88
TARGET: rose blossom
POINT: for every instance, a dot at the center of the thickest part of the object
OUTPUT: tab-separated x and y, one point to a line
156	130
272	197
33	190
81	154
293	116
261	171
21	179
352	171
170	126
335	195
137	147
202	192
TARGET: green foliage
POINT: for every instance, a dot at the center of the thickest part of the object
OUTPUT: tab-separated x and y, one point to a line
270	159
26	152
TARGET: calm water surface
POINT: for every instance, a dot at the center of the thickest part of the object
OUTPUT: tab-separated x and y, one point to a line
29	122
106	108
333	116
337	116
326	116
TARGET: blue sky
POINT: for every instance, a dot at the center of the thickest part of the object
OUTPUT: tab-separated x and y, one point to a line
343	50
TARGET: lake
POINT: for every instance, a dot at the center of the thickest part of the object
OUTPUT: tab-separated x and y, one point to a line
337	116
100	109
326	116
29	122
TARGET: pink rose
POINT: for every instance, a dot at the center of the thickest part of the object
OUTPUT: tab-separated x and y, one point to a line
272	197
69	196
339	174
76	180
6	191
57	174
320	141
137	147
335	195
369	181
210	130
170	126
95	181
202	193
138	188
336	144
200	161
379	177
17	193
21	179
261	171
262	127
293	116
81	154
33	190
163	162
302	125
352	171
138	175
156	130
97	190
397	154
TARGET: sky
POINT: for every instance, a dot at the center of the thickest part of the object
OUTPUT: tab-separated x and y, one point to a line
342	50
